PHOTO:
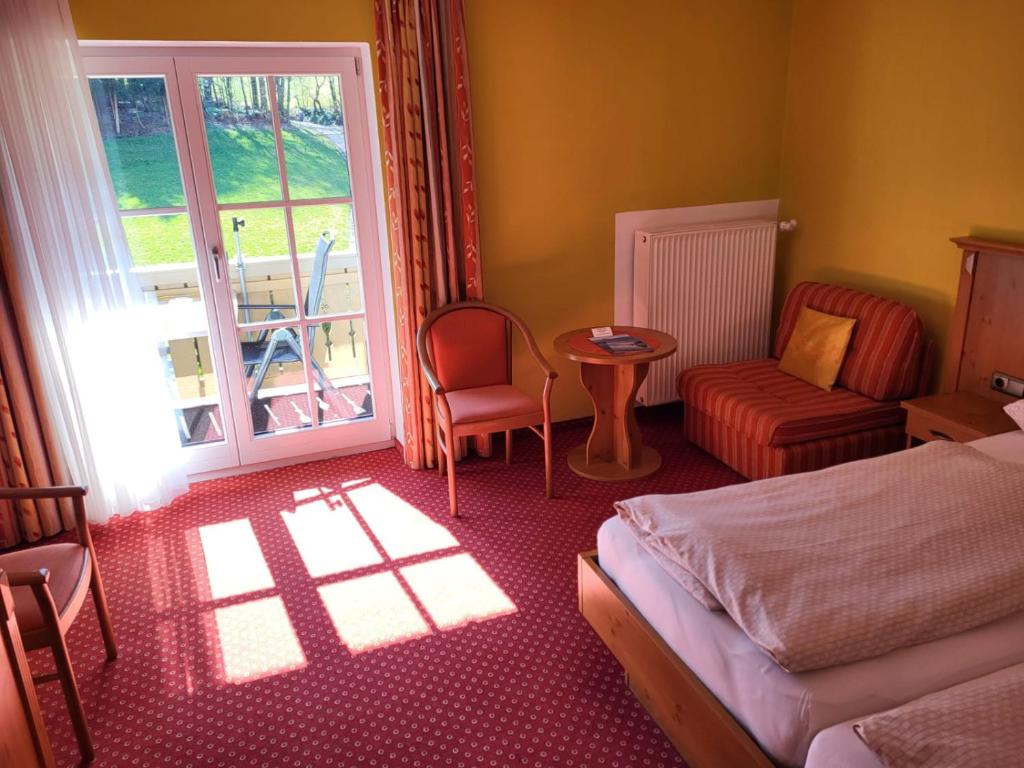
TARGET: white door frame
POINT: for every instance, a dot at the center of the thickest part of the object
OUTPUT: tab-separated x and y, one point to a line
377	428
350	62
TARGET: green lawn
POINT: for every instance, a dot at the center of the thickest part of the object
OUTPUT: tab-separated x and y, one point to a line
145	171
145	175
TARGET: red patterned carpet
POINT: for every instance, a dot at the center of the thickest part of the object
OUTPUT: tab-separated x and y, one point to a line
332	614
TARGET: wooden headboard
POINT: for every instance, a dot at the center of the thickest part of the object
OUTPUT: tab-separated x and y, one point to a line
987	334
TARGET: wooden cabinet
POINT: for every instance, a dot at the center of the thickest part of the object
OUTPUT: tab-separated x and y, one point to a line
957	416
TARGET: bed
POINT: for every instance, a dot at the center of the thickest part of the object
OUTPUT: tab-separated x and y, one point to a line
839	746
978	722
780	712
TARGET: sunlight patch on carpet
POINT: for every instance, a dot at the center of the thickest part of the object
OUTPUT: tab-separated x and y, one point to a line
372	612
328	537
235	564
255	640
456	591
400	528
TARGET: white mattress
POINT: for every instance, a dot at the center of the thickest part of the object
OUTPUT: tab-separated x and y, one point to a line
1008	446
839	747
784	711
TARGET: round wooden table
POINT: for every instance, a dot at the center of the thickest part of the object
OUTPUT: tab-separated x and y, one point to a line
614	450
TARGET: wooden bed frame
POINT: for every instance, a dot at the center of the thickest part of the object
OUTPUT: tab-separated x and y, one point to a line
696	723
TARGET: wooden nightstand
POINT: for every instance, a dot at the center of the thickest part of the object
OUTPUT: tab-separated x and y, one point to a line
958	416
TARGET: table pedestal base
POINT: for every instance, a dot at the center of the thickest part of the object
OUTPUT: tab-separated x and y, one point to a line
612	471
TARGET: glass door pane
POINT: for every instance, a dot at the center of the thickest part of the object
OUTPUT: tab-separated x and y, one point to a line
240	136
137	130
339	347
313	131
342	291
256	248
278	395
281	179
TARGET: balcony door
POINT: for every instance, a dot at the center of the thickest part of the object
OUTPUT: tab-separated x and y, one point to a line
246	191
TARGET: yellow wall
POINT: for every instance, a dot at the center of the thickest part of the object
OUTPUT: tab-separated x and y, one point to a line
349	21
583	108
904	127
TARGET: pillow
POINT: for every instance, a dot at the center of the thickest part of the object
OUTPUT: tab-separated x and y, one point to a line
817	347
1015	411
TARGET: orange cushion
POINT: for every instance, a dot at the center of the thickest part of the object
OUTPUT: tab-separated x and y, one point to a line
493	402
817	347
469	349
68	565
773	408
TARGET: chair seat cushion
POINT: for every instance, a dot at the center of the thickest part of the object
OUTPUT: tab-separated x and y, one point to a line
773	408
68	565
492	402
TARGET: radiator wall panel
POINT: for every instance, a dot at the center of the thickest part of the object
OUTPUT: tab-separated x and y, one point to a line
711	288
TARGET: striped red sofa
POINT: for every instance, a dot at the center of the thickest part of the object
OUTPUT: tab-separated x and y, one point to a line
764	423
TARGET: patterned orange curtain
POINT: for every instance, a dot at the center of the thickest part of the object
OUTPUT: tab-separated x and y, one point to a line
24	458
425	101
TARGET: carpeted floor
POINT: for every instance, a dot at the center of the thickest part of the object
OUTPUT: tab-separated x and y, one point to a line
332	614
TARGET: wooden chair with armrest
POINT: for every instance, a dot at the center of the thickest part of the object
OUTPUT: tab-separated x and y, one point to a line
465	350
49	583
23	739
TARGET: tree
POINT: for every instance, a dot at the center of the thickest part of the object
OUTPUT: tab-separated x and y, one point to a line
255	88
206	88
285	105
261	84
318	108
111	88
334	99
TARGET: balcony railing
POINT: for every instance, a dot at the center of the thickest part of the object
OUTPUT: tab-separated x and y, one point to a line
338	347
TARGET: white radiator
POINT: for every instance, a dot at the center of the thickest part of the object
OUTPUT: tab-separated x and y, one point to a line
709	286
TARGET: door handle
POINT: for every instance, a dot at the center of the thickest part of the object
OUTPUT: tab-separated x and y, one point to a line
216	261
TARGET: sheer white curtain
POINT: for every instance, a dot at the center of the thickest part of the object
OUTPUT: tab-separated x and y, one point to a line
90	327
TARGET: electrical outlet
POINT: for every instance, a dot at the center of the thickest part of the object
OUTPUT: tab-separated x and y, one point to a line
1002	382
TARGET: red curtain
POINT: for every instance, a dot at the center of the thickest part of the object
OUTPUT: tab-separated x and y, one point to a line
24	456
428	137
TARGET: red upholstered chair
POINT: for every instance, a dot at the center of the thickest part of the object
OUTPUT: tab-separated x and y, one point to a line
49	583
465	349
763	422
